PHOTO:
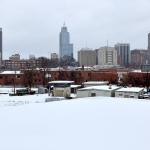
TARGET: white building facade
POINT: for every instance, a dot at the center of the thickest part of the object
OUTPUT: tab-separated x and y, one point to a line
93	91
129	92
107	56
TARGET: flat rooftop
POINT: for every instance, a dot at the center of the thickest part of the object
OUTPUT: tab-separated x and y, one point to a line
11	72
61	82
95	82
101	88
130	89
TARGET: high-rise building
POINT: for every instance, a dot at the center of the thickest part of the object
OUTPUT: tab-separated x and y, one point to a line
65	48
107	56
139	57
149	41
87	57
1	45
123	53
54	56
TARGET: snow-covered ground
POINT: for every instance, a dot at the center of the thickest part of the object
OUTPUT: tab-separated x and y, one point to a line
6	100
80	124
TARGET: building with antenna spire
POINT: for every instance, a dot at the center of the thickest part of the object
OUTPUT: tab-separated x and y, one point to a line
65	48
1	46
149	41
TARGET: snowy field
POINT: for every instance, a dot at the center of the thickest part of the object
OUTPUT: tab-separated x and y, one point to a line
81	124
6	100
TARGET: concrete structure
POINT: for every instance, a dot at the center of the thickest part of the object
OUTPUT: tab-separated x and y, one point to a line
129	92
149	41
65	48
61	88
107	56
95	83
104	90
123	53
54	56
1	46
32	57
139	57
87	57
14	57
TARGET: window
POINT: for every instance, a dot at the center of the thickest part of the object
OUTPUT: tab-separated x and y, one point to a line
126	96
93	94
18	76
131	96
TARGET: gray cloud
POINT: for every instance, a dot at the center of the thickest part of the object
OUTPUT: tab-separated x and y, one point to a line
32	26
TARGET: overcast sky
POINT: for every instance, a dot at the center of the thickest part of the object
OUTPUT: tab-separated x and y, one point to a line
33	26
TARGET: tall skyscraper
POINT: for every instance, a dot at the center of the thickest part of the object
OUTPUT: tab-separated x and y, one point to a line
149	41
123	53
65	48
1	46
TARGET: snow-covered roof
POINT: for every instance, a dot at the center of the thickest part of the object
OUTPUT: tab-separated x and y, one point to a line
90	123
63	82
95	82
5	90
101	88
137	71
75	86
11	72
130	89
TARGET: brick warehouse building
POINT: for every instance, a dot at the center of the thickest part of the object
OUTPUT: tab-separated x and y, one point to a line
38	77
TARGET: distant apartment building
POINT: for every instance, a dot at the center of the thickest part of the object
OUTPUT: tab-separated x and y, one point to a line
87	57
54	56
22	64
1	46
139	57
149	41
15	57
107	56
123	54
32	57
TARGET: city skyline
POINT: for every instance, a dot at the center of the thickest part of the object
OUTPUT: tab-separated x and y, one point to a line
91	23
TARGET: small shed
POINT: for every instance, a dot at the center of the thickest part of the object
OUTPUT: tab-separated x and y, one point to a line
129	92
92	91
95	83
61	88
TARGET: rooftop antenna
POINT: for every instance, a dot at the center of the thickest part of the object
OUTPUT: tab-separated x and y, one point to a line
86	44
107	43
64	24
